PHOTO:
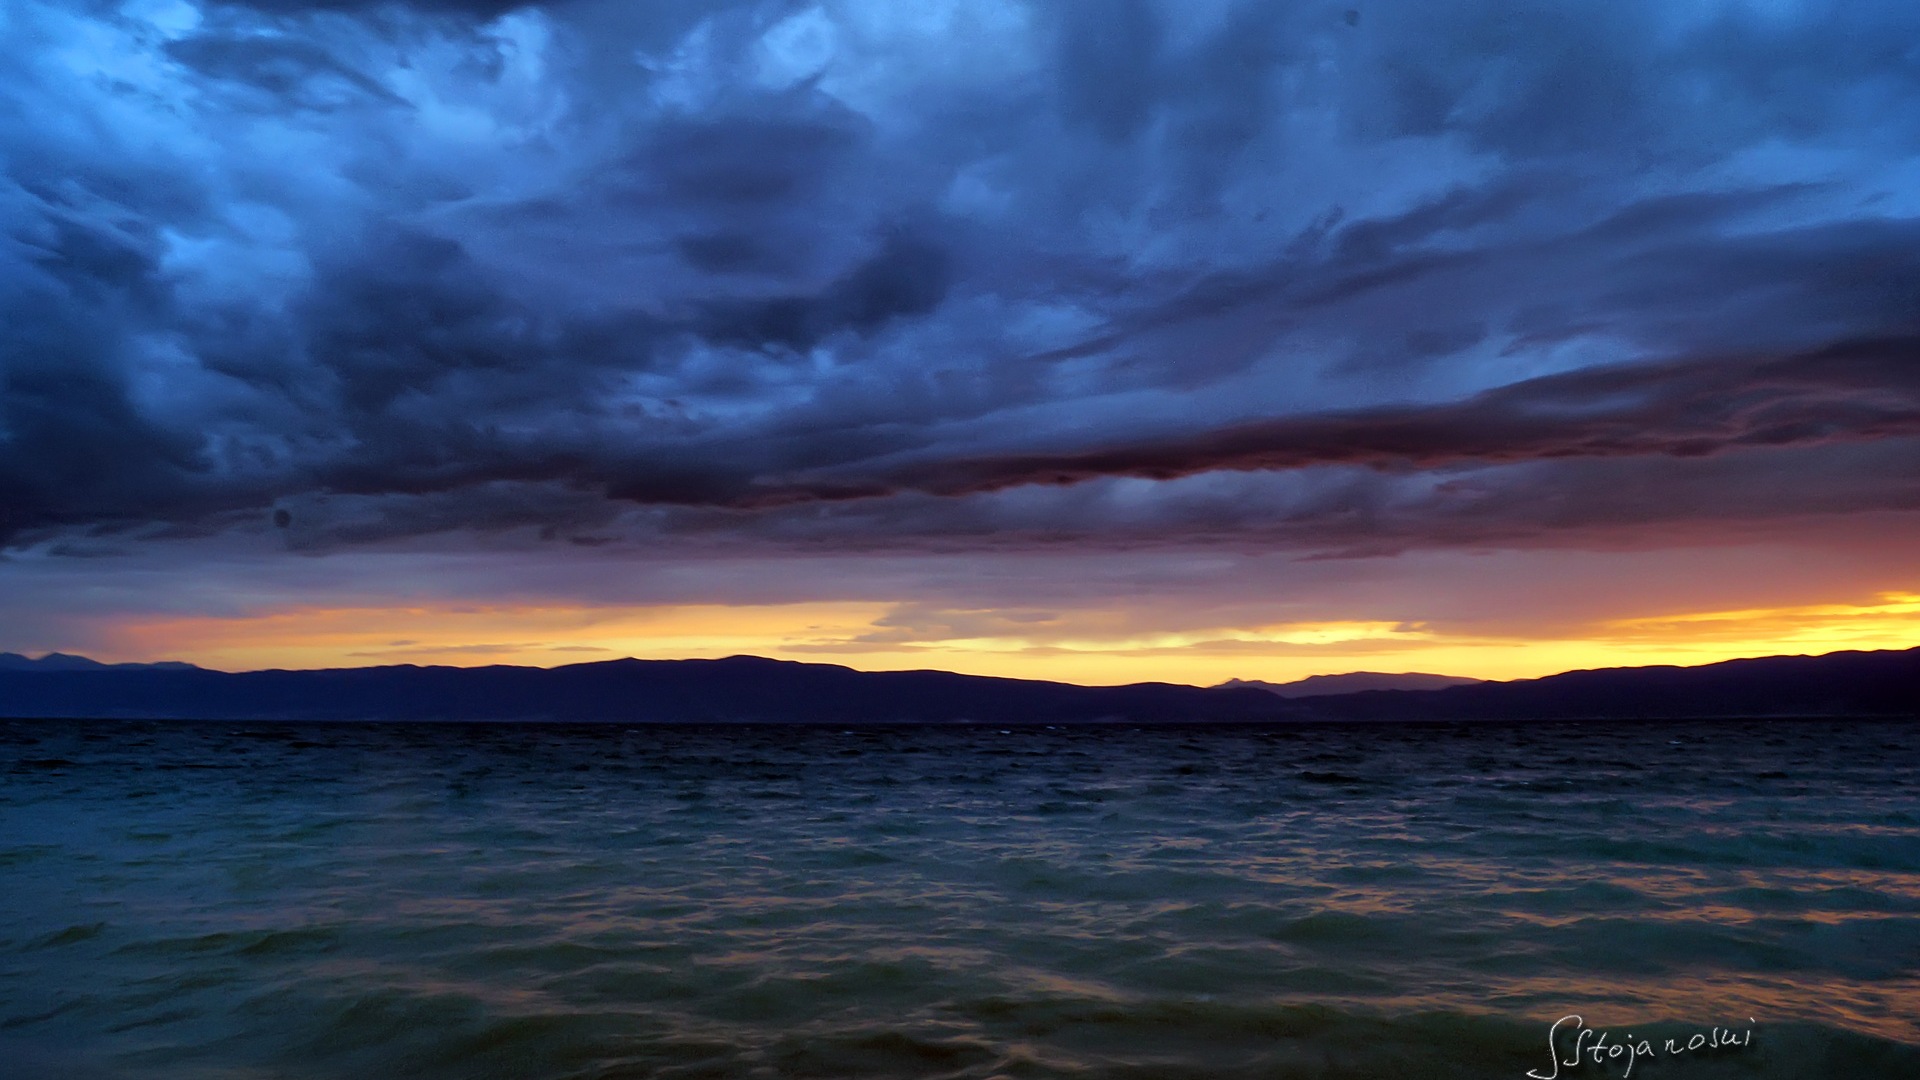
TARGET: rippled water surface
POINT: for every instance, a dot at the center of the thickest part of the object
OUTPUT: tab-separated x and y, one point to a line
428	901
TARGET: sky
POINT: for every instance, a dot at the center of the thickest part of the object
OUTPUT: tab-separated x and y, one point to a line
1093	341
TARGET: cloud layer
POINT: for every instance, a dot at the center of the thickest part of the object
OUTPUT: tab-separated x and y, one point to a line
876	276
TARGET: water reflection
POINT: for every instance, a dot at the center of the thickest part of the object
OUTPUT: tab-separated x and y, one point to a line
466	901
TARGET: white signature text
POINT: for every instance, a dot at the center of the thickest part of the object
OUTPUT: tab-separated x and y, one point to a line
1570	1043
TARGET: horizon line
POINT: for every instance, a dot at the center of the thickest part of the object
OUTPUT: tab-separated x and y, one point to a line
904	670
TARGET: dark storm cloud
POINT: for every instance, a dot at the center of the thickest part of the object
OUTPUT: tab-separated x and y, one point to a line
1107	65
469	9
292	70
1857	392
414	315
75	449
905	277
747	161
869	274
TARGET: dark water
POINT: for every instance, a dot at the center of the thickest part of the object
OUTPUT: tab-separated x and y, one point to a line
313	901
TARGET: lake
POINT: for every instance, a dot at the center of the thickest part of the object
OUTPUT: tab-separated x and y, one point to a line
221	900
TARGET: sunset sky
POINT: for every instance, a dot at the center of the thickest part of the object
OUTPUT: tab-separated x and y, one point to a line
1093	341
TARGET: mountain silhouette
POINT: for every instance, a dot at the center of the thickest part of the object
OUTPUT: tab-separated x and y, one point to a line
753	689
1353	682
57	661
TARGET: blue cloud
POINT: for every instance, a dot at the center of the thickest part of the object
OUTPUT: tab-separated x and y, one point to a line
603	270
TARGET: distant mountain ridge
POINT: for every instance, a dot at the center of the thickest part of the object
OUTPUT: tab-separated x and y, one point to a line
58	661
752	689
1354	682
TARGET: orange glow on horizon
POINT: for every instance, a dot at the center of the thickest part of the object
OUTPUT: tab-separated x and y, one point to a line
1092	647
